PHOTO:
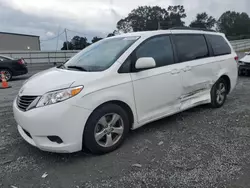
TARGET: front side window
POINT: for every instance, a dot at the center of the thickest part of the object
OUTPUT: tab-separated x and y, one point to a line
219	45
101	55
191	47
159	48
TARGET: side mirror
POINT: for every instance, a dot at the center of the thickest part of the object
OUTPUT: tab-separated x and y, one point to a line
145	63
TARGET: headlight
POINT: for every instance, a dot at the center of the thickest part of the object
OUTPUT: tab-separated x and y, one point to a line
58	96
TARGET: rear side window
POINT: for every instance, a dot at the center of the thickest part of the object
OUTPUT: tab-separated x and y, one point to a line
159	48
190	47
219	45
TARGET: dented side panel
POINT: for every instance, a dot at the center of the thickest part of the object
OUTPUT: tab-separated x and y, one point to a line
199	80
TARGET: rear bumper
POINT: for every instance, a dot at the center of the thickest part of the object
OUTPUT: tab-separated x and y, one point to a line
20	72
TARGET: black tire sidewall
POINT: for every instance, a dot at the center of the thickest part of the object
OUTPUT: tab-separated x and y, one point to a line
214	102
5	71
88	136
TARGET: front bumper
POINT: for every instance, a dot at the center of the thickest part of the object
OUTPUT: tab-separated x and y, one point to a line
62	120
245	66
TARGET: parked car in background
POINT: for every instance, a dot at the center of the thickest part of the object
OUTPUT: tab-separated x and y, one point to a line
12	67
244	64
122	83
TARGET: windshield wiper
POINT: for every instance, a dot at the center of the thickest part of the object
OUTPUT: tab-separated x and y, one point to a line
61	66
77	67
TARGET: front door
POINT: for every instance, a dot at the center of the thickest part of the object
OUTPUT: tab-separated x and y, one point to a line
157	91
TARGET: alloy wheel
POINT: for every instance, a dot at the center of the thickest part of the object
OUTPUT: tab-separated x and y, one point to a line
220	93
7	74
109	130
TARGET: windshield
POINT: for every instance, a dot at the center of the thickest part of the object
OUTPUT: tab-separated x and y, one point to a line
101	55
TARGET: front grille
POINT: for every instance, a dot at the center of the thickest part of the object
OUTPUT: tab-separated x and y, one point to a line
24	102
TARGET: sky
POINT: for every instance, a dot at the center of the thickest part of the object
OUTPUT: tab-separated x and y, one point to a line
89	18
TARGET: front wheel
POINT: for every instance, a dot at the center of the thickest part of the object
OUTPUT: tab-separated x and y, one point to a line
219	93
106	129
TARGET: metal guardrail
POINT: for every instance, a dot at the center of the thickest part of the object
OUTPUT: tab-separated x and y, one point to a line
240	45
51	57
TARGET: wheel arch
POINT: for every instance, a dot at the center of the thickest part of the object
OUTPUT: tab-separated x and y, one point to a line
120	103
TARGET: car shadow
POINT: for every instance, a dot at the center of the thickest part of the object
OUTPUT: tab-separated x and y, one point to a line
19	78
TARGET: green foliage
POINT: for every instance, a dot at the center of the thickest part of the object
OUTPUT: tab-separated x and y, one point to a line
95	39
146	18
203	21
70	46
234	24
79	43
115	32
76	43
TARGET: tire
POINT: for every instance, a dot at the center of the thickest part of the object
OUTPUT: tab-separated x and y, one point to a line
219	95
97	124
7	72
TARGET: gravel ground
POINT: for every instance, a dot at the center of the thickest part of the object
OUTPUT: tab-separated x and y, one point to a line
201	147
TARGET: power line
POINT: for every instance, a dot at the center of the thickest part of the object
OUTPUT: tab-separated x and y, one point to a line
81	33
53	37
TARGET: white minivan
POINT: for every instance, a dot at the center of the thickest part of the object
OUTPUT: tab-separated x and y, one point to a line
121	83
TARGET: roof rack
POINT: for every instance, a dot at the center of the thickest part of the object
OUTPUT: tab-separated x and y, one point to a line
191	28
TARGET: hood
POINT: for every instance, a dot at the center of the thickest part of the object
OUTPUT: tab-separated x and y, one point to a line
55	79
246	59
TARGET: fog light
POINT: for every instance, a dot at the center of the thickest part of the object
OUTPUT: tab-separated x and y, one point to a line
56	139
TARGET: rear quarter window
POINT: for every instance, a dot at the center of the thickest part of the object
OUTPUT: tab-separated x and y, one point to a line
219	45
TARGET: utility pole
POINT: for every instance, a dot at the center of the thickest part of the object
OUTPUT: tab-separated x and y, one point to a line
159	25
65	30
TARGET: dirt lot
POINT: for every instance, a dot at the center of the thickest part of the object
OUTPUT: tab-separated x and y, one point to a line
201	147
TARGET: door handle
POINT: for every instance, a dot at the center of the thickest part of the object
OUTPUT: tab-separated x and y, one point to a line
175	71
188	68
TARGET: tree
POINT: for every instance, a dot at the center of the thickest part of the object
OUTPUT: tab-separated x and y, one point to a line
115	32
176	14
79	43
95	39
125	25
203	21
65	47
76	43
234	23
146	18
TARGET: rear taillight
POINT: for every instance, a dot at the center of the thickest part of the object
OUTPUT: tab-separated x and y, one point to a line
236	59
21	62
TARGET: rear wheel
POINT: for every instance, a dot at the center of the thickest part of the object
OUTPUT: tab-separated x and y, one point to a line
219	93
7	73
106	129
